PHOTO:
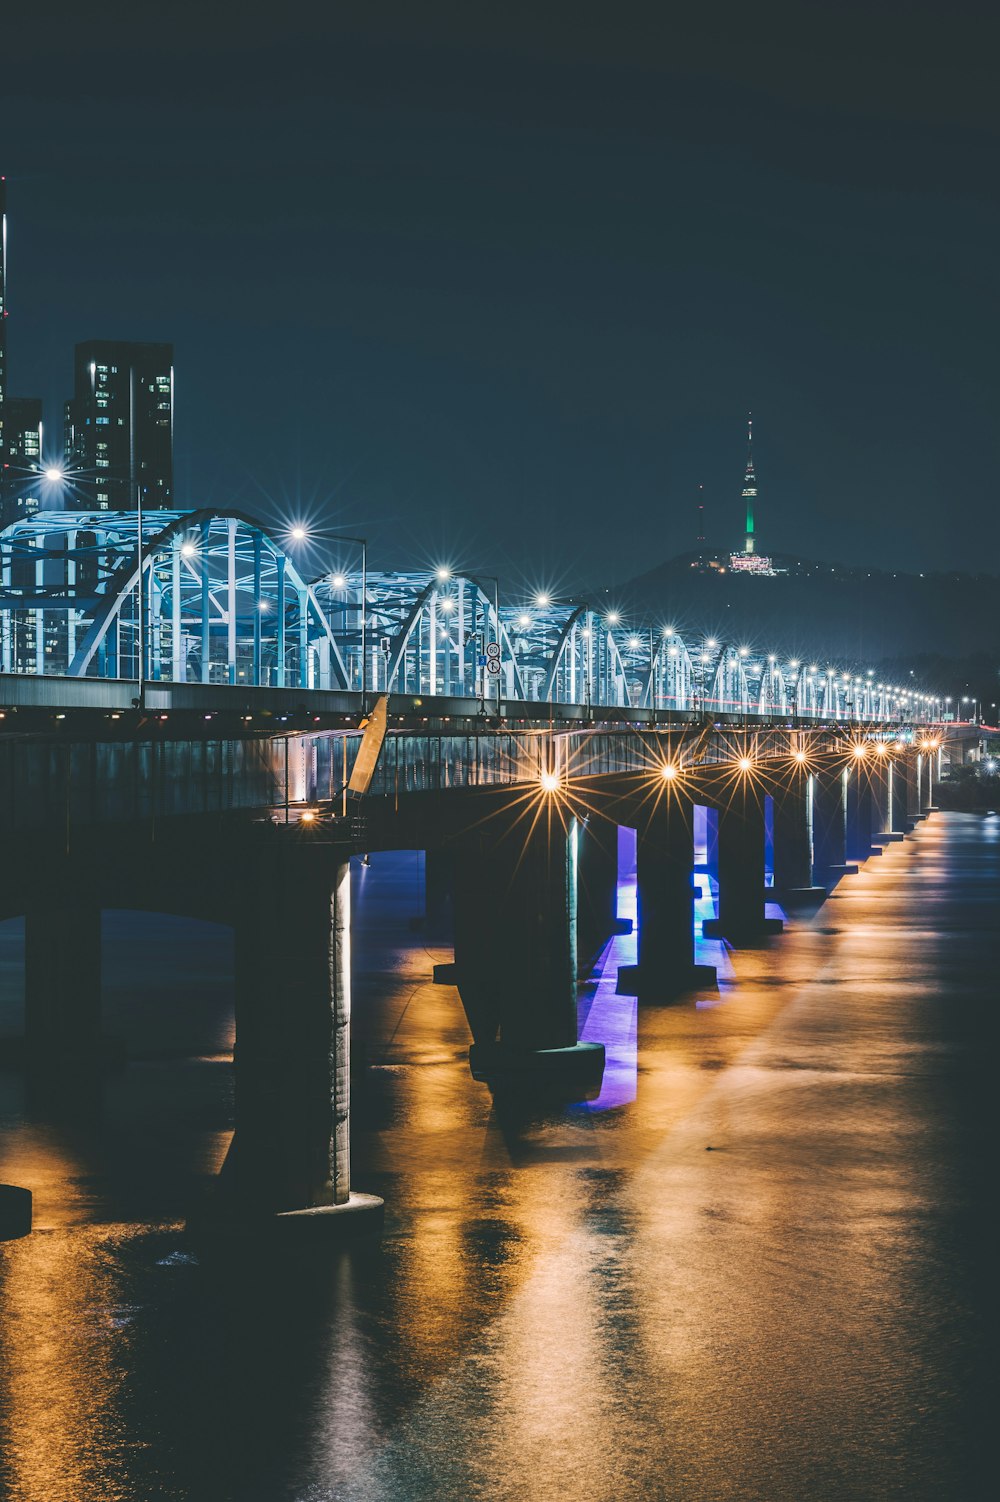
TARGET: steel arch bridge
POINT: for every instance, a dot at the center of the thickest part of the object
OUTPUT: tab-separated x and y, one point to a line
220	599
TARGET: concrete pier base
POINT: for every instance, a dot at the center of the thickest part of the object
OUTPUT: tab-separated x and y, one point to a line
571	1073
15	1212
671	986
740	936
832	874
223	1226
795	896
361	1215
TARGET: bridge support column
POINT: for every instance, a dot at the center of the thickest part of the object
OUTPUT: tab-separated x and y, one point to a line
899	795
515	953
62	984
927	762
290	1157
882	779
597	886
439	891
664	880
792	849
741	917
860	810
915	789
830	827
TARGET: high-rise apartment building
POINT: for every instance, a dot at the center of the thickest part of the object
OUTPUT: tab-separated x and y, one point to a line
119	425
23	458
3	322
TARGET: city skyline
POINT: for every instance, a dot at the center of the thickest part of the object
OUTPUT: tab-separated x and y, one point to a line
410	306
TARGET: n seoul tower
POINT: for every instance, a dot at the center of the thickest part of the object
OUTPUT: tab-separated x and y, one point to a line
749	488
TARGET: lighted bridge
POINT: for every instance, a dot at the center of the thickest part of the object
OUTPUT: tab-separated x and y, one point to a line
179	724
214	597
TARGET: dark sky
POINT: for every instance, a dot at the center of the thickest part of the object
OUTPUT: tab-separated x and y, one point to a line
498	284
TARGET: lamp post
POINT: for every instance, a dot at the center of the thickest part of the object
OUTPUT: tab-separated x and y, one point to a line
299	533
363	545
491	579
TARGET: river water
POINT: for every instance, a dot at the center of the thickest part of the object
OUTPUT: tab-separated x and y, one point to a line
756	1267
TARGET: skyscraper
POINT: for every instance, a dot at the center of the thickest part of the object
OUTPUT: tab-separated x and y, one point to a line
120	425
23	457
3	322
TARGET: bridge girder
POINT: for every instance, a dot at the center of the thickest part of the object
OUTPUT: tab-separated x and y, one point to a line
224	601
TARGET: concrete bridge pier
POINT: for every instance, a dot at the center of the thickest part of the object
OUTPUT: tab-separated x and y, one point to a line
515	952
793	877
741	917
926	769
883	778
597	886
916	791
860	810
665	902
439	891
62	985
900	795
289	1164
830	826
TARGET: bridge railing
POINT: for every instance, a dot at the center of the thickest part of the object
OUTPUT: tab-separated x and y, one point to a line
214	596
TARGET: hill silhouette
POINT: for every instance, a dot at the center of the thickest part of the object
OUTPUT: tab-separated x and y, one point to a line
826	612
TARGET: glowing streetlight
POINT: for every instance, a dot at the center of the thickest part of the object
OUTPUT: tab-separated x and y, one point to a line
188	549
550	782
298	533
54	473
613	617
668	772
542	600
745	764
441	574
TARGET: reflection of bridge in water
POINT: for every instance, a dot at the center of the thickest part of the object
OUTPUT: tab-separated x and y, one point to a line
214	597
232	782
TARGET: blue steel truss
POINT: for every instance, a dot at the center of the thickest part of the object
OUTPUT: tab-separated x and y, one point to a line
223	601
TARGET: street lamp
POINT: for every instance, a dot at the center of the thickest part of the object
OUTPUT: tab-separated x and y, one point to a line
490	579
363	545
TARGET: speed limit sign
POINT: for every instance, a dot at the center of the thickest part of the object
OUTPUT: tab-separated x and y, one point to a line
492	650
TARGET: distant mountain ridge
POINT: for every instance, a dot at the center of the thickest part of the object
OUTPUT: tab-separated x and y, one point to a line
819	610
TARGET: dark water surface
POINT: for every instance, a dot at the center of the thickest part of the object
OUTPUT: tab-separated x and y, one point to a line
755	1268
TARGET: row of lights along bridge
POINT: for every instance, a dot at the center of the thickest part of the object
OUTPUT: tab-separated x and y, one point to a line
216	596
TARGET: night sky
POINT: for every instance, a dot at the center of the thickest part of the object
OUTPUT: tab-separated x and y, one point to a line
498	288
